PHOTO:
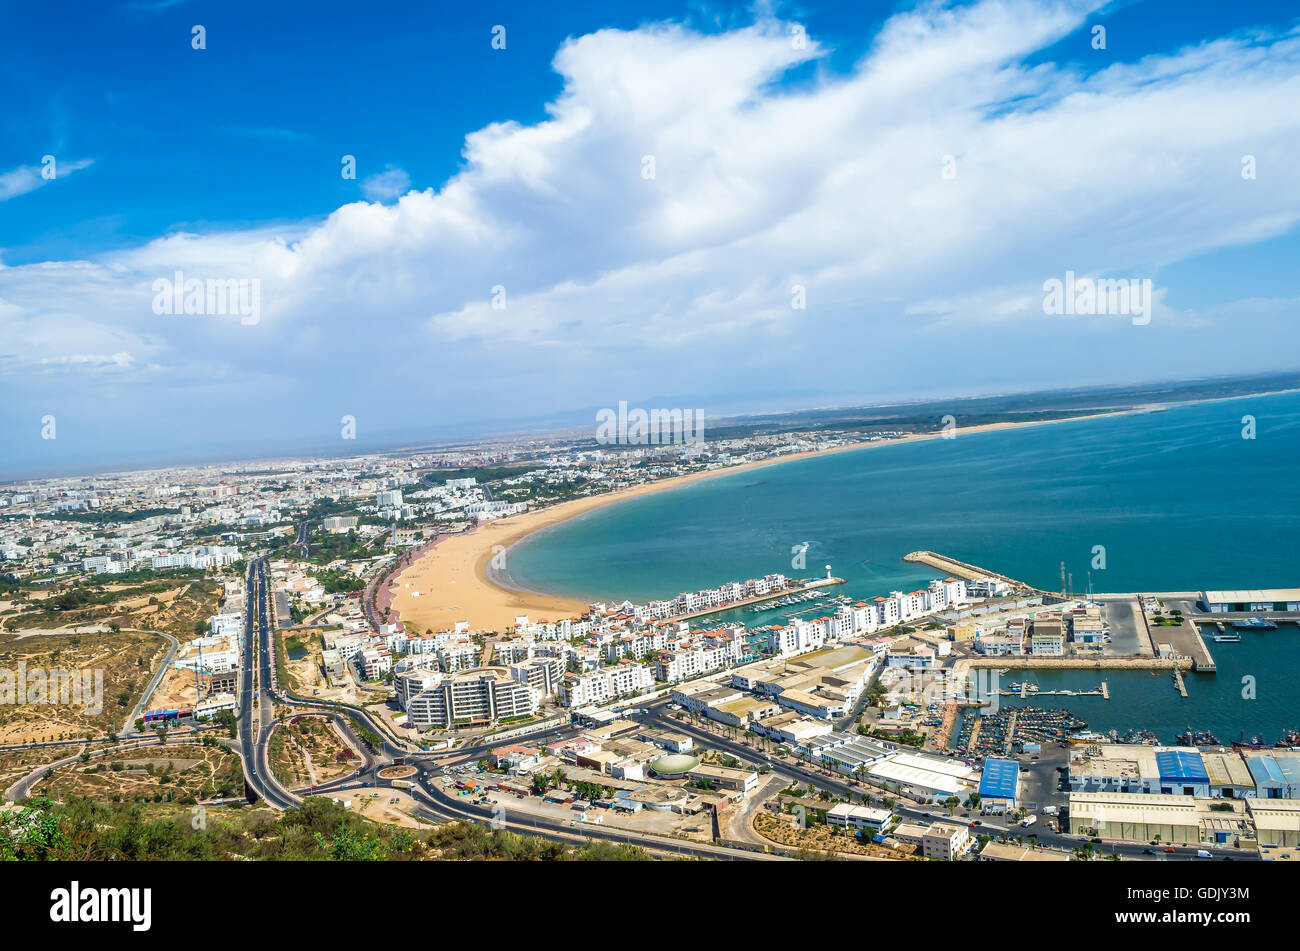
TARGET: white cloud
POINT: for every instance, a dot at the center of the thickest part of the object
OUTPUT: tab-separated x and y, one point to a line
386	185
27	178
683	283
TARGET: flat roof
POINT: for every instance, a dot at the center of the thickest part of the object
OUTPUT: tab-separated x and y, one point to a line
867	813
1006	852
1253	594
1227	769
1114	808
948	767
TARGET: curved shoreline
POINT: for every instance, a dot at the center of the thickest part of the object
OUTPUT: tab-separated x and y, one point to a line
459	583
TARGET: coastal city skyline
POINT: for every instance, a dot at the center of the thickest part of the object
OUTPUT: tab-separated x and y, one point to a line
747	435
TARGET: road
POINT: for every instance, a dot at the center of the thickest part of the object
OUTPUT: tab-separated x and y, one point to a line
656	714
23	787
128	729
256	705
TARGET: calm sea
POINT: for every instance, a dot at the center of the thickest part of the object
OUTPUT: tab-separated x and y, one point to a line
1177	499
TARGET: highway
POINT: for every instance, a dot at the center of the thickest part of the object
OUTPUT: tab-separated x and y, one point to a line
256	704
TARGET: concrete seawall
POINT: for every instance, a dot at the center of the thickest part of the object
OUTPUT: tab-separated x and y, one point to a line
964	570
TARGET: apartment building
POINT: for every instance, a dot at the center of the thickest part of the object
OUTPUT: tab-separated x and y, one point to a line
375	662
604	684
468	698
944	841
698	658
453	657
542	674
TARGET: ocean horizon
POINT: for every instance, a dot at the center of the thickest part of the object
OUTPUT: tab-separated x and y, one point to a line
1172	499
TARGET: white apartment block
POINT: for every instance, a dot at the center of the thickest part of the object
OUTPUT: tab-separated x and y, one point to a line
796	638
605	684
375	662
469	698
456	657
542	674
214	705
697	660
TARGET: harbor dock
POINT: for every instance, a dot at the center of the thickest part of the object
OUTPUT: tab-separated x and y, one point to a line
1184	639
966	571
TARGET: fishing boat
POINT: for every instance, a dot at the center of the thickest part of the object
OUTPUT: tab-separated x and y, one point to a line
1197	738
1144	737
1087	736
1289	738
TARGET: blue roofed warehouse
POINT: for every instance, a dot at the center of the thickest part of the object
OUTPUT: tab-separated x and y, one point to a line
999	785
1182	772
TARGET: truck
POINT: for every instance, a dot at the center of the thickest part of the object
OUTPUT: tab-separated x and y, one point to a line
1029	820
1050	810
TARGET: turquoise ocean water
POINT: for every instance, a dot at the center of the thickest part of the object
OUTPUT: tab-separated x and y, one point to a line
1178	499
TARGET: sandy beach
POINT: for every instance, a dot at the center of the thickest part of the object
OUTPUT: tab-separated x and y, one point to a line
451	582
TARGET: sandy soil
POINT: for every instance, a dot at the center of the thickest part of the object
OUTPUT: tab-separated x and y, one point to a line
451	583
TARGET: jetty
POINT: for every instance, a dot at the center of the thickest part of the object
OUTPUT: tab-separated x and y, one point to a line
1182	639
967	571
1179	684
1024	693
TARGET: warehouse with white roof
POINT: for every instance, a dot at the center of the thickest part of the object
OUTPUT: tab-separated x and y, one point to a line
926	777
1254	599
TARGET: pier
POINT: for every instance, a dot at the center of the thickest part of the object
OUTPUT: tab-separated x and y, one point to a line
1183	639
968	572
1179	684
1024	693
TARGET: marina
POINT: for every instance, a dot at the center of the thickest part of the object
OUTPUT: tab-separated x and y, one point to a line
790	600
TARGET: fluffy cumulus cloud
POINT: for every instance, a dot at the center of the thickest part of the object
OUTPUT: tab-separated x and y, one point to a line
651	237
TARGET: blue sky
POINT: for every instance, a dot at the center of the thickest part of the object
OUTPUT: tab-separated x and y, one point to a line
776	164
